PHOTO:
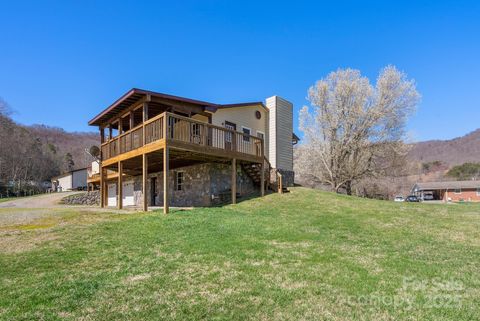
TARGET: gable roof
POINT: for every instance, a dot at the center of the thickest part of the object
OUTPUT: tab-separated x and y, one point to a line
134	96
446	185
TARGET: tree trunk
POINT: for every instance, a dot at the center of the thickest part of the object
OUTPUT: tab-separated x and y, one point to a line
348	187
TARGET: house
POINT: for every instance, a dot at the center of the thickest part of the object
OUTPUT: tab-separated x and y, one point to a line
455	191
164	150
73	180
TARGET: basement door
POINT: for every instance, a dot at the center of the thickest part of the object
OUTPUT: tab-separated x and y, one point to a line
128	199
112	195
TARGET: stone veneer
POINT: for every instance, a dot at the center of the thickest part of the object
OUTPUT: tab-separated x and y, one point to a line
288	177
204	185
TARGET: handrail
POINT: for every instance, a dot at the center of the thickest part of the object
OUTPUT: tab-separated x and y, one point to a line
210	125
151	120
113	147
124	133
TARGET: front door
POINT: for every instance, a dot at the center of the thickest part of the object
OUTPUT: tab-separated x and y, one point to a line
229	137
153	191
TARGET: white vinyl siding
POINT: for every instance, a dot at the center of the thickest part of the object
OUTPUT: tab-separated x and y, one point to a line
65	183
281	128
243	116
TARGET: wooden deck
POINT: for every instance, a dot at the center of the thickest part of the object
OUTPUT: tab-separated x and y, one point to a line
169	138
185	134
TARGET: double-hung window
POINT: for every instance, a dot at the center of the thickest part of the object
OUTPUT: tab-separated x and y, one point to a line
246	134
179	179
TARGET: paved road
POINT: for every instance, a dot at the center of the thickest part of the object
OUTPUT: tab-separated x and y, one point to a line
41	201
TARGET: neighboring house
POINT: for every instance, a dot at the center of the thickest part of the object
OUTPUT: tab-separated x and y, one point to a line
454	191
73	180
184	152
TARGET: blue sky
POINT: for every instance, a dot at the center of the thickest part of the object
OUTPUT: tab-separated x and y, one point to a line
63	62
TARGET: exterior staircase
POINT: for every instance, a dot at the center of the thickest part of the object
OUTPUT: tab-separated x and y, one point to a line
254	172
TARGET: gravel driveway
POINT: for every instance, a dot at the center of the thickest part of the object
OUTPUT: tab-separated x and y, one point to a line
40	201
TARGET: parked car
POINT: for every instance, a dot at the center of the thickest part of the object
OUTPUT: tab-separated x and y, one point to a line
428	197
398	199
412	198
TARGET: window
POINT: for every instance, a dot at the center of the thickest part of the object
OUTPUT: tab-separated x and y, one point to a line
260	135
196	138
458	191
179	177
246	134
478	191
228	135
195	129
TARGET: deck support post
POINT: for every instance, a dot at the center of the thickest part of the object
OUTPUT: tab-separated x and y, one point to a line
131	120
166	168
262	179
234	181
120	185
102	186
144	181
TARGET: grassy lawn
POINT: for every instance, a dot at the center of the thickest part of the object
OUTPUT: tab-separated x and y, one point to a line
306	255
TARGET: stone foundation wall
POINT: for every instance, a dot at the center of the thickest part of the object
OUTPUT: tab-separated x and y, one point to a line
87	198
204	185
288	177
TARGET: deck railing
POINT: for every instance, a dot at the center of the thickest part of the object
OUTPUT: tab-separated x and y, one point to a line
181	129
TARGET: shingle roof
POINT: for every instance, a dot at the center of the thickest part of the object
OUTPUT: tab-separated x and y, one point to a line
446	185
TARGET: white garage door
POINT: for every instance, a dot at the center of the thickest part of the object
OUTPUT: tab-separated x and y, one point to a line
112	195
128	199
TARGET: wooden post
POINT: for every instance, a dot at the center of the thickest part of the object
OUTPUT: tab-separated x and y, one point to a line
144	181
102	135
132	119
102	187
120	186
166	168
110	129
262	179
280	186
234	181
145	118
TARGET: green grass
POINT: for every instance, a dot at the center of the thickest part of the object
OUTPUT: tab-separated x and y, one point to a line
306	255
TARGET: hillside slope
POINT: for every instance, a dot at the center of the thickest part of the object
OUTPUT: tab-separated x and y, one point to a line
74	143
451	152
304	255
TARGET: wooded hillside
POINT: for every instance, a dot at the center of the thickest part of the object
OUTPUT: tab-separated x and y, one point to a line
451	152
31	155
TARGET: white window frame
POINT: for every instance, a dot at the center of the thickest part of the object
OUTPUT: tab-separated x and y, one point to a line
229	135
457	191
246	139
260	132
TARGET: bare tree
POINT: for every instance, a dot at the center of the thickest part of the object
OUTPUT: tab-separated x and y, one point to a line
352	127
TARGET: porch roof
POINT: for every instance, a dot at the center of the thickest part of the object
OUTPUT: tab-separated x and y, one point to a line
135	96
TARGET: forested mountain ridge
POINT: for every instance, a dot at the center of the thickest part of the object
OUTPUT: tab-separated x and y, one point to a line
65	142
450	152
31	155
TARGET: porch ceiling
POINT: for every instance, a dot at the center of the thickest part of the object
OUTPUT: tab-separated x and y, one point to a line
178	158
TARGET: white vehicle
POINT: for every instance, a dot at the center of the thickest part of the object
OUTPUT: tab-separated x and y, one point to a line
398	199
